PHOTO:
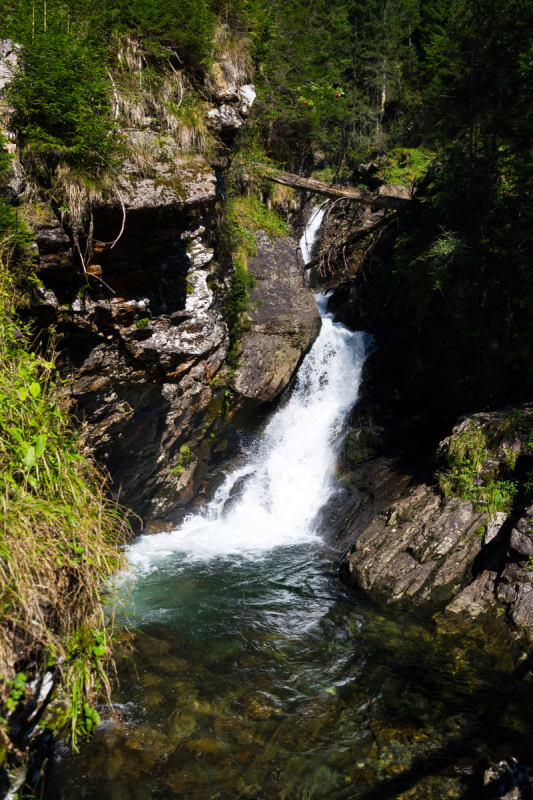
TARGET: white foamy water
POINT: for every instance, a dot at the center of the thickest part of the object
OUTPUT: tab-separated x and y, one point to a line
312	229
274	499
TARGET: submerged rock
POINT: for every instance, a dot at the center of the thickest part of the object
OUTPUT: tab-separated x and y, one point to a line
507	780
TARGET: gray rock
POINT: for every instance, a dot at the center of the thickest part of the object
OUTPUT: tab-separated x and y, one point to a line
422	548
8	60
14	179
522	544
394	190
476	598
284	321
425	548
55	252
247	96
224	118
494	526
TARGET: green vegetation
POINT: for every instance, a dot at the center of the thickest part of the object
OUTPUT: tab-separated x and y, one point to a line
361	445
183	459
462	477
242	217
63	111
235	305
437	93
143	322
59	536
253	215
404	166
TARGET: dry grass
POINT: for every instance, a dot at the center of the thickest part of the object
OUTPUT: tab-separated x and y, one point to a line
233	54
160	100
59	538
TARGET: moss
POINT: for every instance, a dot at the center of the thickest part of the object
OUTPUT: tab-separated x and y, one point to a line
361	445
242	217
254	216
184	458
235	306
481	531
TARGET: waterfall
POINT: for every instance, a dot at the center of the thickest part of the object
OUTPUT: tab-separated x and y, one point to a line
273	500
311	231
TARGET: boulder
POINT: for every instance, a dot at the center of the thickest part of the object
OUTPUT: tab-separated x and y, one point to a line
224	118
426	547
283	320
420	548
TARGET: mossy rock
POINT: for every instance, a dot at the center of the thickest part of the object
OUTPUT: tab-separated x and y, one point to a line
360	445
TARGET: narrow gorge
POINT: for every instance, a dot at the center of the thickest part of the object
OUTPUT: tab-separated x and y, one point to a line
266	317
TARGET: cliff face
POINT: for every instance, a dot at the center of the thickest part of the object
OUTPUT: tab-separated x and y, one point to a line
283	321
459	534
420	521
143	340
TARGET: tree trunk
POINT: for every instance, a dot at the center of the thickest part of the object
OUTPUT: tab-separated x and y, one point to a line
317	187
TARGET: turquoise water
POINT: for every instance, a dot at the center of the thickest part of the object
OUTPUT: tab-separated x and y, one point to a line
265	679
253	673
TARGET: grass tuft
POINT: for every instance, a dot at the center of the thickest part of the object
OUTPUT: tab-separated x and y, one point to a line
59	539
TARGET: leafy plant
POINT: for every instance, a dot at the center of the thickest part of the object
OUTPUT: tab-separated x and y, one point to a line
465	456
184	458
59	536
405	165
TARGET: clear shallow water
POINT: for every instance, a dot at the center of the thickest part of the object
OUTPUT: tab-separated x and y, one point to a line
253	672
264	679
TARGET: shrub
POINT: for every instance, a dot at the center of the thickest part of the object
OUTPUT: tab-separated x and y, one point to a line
465	456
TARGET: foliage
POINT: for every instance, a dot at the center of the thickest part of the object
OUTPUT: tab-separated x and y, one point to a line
185	26
58	535
184	458
242	217
404	166
60	99
6	159
461	477
235	305
254	215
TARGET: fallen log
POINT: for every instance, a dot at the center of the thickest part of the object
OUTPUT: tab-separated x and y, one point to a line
311	185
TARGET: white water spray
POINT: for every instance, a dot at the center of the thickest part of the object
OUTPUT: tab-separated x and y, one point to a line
273	500
311	231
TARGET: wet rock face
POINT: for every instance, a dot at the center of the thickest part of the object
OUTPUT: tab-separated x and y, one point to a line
423	547
419	548
143	339
284	320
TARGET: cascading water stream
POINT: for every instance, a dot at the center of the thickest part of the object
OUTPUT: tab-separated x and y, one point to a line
288	475
253	673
